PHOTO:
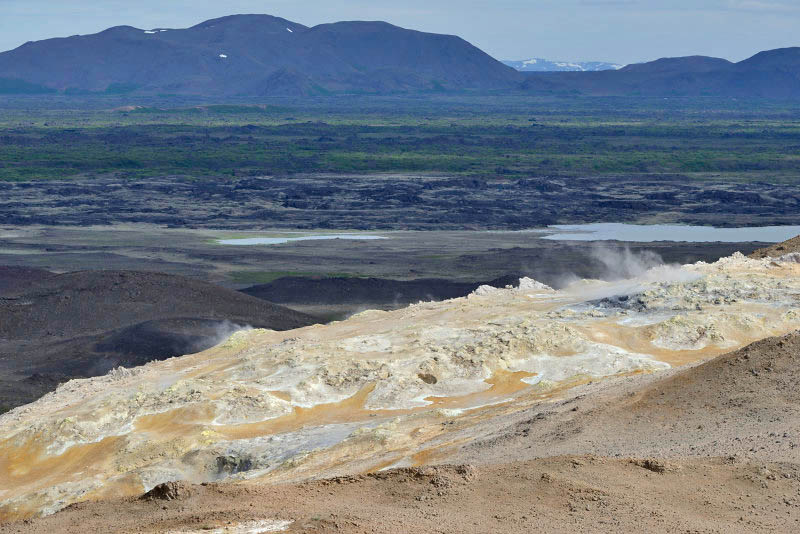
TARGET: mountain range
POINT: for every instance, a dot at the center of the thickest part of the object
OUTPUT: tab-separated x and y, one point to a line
255	55
538	64
768	74
261	55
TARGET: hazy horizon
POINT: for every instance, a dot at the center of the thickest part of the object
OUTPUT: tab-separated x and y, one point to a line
623	31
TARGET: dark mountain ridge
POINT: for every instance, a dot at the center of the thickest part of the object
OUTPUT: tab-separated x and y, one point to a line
256	55
768	74
679	64
261	55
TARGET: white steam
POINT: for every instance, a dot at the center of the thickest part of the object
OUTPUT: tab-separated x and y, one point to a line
646	266
623	263
221	333
626	272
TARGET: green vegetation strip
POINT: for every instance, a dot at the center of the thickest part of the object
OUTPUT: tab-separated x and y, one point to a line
506	138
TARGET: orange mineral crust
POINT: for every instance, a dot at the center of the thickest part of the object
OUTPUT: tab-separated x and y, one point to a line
379	390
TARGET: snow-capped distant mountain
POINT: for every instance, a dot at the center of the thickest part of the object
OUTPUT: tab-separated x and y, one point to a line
545	65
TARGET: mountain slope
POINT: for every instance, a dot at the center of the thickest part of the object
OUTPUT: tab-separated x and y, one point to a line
769	74
784	59
790	246
261	55
257	54
54	327
678	65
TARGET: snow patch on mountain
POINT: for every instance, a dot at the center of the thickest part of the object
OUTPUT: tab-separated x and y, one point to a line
545	65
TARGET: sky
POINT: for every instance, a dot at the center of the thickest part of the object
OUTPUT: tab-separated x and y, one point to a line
623	31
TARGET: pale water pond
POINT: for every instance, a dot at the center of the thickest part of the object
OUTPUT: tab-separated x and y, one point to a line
282	240
670	232
587	232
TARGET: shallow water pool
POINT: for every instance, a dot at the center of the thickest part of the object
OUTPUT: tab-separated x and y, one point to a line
281	240
670	232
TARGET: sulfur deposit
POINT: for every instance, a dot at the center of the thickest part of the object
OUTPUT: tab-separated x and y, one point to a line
381	389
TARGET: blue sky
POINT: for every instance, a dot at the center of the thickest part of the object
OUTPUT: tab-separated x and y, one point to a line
625	31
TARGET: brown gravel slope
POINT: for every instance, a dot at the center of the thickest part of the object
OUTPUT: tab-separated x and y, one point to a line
779	249
744	403
558	495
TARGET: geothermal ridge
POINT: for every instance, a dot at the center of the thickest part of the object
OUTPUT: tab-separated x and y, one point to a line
380	390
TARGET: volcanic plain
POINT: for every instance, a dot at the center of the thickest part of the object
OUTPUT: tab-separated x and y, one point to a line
398	384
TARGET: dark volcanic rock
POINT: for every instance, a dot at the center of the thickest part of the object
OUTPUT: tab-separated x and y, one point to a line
89	302
12	277
394	293
168	491
412	202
